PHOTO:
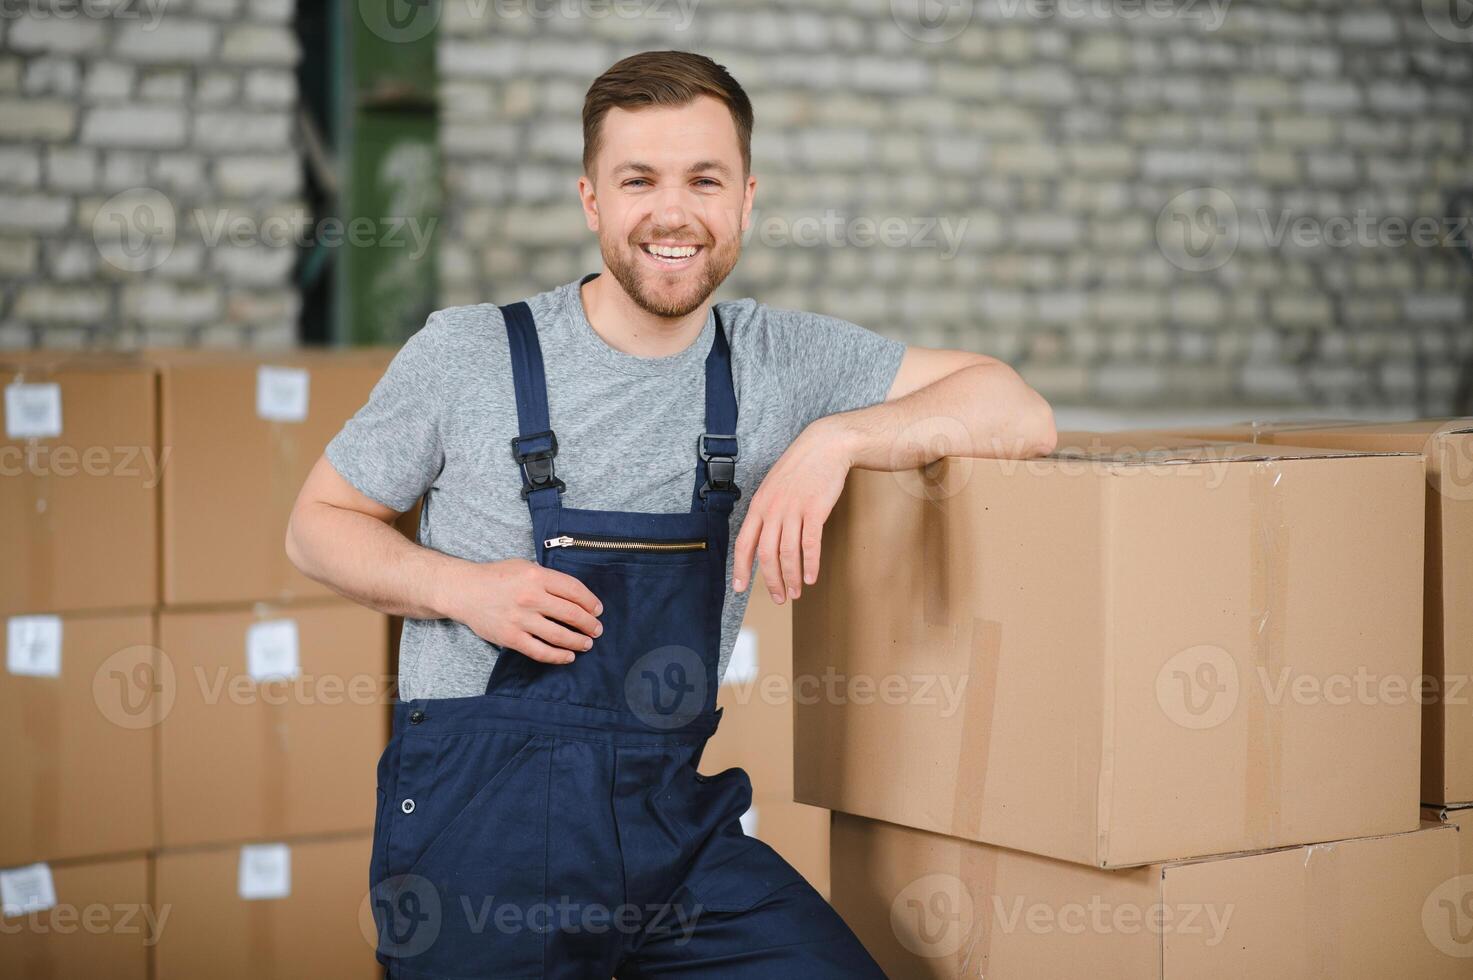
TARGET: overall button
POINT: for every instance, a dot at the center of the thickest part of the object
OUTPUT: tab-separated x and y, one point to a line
416	716
407	806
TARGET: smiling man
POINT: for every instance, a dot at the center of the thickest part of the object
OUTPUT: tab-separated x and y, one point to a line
575	592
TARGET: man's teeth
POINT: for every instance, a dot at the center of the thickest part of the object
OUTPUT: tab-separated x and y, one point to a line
671	251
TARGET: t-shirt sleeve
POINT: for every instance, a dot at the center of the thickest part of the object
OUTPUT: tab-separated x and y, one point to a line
830	365
391	450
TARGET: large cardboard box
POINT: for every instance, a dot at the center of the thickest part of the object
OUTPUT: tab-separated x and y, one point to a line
277	723
79	475
800	833
756	734
932	906
281	910
1117	658
1447	447
243	431
1461	818
78	707
71	921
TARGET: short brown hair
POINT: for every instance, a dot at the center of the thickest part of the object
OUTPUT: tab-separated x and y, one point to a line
667	78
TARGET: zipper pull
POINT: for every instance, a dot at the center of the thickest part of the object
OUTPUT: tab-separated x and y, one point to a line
559	542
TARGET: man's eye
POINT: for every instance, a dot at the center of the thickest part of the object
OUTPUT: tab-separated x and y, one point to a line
709	182
636	180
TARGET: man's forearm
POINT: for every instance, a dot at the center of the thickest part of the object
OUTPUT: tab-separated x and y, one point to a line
982	410
368	561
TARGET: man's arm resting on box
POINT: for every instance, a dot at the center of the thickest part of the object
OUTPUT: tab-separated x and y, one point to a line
941	403
344	539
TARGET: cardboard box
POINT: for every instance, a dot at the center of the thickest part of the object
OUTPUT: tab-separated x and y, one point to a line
77	713
800	833
243	431
246	757
1447	447
312	929
79	476
756	699
756	734
1120	659
931	906
99	921
1461	818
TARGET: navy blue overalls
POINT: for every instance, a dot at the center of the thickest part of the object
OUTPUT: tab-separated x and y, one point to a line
556	826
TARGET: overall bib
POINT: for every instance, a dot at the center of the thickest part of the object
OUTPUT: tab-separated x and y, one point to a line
556	826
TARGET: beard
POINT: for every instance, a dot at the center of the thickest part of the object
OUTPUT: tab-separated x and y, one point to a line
666	294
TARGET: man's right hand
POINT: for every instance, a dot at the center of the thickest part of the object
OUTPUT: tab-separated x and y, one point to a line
545	614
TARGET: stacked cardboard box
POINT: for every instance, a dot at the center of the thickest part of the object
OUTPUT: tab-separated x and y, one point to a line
1446	446
756	734
79	478
267	754
1136	678
173	690
267	910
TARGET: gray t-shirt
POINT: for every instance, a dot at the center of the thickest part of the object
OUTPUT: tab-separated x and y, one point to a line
441	419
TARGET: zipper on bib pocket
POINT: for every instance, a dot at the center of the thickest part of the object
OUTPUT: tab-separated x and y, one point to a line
622	544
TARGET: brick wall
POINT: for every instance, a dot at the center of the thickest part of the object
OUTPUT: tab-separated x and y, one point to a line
143	147
1141	203
1030	161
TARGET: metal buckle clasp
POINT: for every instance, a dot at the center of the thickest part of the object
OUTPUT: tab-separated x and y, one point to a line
720	467
536	465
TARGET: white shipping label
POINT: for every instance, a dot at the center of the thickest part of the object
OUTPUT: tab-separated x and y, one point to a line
271	651
749	821
26	890
32	411
742	667
282	393
33	646
265	872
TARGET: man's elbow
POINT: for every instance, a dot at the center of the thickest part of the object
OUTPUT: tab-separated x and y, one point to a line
1033	432
296	551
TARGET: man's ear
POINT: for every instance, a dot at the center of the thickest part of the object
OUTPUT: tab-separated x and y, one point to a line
589	202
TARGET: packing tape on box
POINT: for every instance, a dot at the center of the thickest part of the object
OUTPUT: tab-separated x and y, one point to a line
978	873
40	528
40	961
983	639
1268	589
975	642
285	438
1322	939
44	717
275	747
274	760
260	938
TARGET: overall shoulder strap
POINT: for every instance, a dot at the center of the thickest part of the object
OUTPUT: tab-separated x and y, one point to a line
536	445
716	449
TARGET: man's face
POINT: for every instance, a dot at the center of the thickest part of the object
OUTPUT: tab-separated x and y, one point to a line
669	180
